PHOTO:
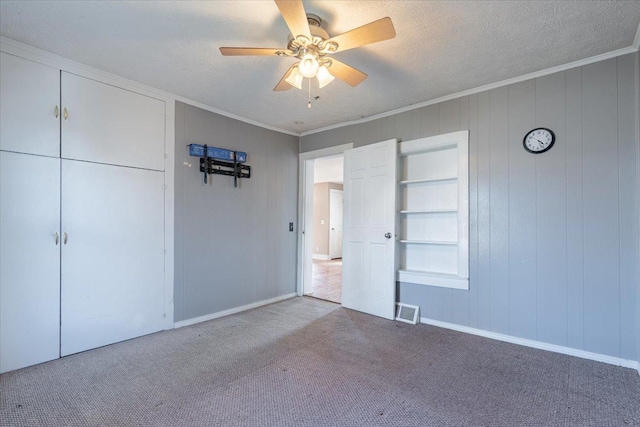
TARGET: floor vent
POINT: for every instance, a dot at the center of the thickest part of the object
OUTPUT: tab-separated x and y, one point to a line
407	313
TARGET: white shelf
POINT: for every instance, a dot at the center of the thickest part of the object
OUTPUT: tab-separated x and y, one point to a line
429	242
435	208
431	278
428	211
421	181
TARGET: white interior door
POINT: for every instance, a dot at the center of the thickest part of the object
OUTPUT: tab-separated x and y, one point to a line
106	124
335	223
112	256
30	97
29	260
369	260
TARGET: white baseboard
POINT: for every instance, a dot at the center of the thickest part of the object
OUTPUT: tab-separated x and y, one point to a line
536	344
223	313
323	257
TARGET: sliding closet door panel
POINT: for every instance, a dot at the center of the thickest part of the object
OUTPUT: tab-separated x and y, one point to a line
29	260
29	107
112	254
106	124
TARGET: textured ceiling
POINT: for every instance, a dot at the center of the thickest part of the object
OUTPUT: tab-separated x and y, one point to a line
441	48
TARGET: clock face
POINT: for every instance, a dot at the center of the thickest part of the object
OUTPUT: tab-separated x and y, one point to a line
539	140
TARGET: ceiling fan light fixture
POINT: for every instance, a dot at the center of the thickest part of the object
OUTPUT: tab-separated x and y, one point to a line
308	66
295	78
324	76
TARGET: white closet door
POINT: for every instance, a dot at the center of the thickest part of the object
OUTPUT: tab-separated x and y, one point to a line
369	261
29	260
30	95
113	260
106	124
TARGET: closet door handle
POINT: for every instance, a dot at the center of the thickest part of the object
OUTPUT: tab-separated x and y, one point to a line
56	111
65	113
64	239
57	238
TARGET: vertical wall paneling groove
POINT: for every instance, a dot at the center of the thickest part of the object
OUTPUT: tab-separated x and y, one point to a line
601	244
460	302
484	212
522	212
551	214
233	247
627	154
178	271
575	223
554	237
499	232
473	211
430	121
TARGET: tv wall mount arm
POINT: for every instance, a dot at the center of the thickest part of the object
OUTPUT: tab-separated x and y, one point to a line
220	161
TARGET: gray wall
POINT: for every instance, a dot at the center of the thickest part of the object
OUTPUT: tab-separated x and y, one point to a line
554	237
232	245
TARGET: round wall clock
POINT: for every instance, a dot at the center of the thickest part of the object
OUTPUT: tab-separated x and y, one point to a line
539	140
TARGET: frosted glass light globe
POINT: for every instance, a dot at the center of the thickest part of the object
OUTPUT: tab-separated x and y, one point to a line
308	66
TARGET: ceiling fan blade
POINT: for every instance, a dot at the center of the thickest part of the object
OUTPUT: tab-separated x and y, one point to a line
373	32
282	84
294	15
346	73
250	51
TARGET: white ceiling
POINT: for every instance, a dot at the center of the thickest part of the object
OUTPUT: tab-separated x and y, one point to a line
441	48
328	169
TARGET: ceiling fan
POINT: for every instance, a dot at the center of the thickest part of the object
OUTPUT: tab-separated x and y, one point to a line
313	47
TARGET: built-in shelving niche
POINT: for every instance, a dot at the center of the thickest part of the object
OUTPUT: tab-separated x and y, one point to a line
434	211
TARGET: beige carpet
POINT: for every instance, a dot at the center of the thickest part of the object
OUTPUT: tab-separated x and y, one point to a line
307	362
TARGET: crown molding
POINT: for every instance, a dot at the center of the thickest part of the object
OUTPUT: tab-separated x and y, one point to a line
597	58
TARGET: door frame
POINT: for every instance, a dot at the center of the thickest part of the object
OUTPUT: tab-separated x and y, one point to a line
331	192
305	210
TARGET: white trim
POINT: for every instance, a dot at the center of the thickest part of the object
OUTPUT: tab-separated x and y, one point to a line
534	75
460	142
535	344
234	310
322	257
26	51
636	40
169	211
432	143
305	204
326	152
433	279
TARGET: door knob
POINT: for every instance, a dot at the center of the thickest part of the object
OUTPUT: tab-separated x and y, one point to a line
57	238
56	111
387	235
65	238
65	113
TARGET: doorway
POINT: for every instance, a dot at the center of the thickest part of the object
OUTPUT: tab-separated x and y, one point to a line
321	216
326	267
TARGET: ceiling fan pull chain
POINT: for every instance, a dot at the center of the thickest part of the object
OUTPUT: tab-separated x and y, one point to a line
309	104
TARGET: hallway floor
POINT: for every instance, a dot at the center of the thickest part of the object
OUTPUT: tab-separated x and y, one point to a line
327	280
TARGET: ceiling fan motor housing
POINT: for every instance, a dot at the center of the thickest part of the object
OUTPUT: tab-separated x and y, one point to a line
300	45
